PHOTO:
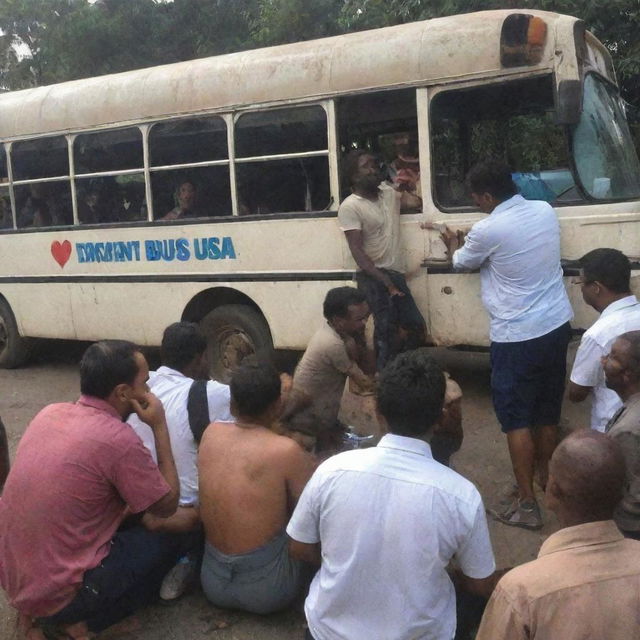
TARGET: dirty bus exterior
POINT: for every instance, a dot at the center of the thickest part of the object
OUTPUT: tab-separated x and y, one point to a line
100	240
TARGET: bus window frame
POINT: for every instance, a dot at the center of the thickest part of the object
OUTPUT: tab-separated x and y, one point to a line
151	169
330	152
434	90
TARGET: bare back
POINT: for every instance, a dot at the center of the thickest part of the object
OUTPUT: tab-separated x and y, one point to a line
250	480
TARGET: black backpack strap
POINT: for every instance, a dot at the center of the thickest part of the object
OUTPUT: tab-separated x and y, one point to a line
198	409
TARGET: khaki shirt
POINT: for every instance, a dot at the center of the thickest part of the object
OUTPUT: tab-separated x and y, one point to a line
379	222
624	428
584	585
323	370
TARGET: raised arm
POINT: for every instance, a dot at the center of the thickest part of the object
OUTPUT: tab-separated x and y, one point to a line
152	413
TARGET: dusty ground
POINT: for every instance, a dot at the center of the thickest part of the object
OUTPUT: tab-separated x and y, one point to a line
52	377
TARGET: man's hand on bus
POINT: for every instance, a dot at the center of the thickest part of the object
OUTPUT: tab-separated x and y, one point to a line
453	240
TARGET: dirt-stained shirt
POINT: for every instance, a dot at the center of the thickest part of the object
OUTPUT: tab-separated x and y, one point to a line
76	469
584	584
323	370
379	223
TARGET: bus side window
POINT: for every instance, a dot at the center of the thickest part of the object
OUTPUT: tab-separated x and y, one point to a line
6	219
386	124
180	189
41	204
109	176
295	181
510	120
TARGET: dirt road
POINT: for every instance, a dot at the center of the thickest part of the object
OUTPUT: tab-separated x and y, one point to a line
53	377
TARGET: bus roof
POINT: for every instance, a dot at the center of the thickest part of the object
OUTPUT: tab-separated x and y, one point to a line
455	47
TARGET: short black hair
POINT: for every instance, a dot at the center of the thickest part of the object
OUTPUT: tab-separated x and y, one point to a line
411	393
105	365
494	177
609	267
338	301
255	385
350	165
181	343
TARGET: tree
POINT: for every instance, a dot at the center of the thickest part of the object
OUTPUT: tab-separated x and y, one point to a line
280	21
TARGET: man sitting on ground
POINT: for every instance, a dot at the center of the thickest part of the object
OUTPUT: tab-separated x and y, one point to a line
384	523
622	373
337	351
584	583
605	279
250	481
189	407
77	470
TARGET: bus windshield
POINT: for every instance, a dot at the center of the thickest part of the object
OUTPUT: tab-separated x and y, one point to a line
603	150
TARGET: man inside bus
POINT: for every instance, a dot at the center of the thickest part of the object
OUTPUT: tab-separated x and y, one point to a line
186	197
584	583
337	351
250	480
370	219
65	563
605	280
517	249
189	407
383	524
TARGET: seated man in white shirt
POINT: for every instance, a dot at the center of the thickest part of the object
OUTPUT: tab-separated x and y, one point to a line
605	276
183	354
384	523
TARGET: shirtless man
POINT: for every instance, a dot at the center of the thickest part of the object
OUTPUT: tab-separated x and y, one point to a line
250	480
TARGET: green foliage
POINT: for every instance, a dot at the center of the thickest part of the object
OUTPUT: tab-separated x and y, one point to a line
280	21
67	39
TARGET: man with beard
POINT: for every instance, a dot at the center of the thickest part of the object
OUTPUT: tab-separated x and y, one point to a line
370	219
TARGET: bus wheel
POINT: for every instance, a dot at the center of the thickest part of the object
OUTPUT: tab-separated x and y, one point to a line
233	332
13	348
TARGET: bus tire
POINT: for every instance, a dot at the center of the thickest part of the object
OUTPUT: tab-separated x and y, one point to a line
233	331
13	347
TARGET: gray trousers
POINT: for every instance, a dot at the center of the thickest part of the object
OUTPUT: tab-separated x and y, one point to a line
260	581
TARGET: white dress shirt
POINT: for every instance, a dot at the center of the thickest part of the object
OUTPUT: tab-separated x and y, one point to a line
619	317
388	520
517	249
172	388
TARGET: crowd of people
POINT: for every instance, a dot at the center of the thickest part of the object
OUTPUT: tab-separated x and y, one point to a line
152	479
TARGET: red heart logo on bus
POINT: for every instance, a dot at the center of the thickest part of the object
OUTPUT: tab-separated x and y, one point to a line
61	252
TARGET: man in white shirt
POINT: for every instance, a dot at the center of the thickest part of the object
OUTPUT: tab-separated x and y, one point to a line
370	219
517	249
384	523
605	276
183	354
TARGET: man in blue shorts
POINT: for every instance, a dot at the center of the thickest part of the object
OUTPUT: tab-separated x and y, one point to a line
517	249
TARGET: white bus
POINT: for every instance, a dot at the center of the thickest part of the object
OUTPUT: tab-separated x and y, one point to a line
93	175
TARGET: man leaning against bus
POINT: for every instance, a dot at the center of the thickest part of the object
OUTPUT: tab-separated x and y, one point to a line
517	249
370	219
